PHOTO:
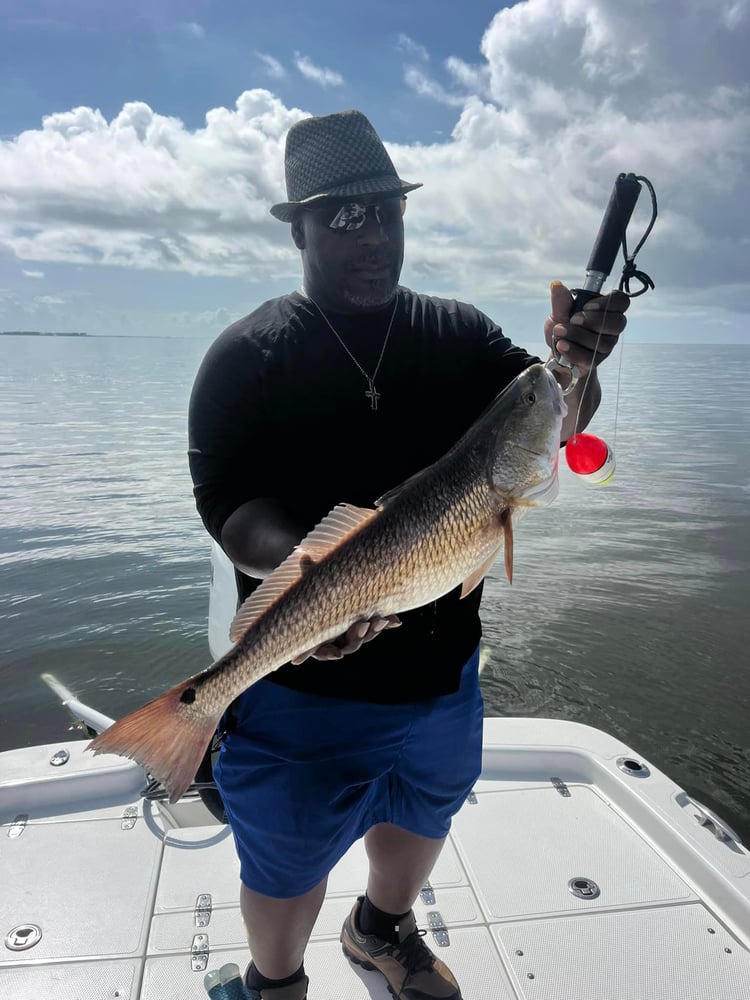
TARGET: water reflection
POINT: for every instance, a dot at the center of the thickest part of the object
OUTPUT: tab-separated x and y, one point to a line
628	609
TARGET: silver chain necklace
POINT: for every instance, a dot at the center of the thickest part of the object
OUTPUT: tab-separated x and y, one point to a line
371	392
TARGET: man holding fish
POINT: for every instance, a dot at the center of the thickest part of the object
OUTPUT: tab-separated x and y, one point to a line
303	414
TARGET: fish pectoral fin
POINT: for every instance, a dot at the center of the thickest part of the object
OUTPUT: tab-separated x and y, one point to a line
473	581
337	526
507	521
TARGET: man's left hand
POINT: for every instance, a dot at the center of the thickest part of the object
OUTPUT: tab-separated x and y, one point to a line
576	336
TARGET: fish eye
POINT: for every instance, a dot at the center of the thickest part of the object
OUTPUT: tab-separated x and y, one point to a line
531	398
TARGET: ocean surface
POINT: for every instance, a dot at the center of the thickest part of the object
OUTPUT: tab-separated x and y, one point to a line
629	610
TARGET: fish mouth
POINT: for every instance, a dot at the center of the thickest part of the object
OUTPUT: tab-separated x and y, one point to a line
561	406
543	493
530	451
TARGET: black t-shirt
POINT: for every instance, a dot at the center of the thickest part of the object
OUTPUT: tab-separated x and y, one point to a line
279	410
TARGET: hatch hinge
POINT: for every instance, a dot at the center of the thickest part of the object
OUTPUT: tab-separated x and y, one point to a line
427	894
202	912
199	953
561	787
18	825
436	924
129	817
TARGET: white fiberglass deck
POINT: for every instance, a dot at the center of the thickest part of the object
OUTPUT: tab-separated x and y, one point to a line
133	900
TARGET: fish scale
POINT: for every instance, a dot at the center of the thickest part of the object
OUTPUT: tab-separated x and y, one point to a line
437	530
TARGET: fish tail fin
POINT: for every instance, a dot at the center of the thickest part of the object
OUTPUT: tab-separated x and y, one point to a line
167	736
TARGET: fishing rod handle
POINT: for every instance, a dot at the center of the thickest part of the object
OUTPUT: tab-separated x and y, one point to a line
608	240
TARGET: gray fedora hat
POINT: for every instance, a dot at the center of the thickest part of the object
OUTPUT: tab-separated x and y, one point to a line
335	156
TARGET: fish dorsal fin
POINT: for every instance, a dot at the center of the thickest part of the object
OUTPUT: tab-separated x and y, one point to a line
342	522
391	495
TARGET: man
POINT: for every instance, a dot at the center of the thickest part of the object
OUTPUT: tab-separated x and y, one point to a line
338	392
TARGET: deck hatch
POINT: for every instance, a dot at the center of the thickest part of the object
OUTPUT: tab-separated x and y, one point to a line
563	839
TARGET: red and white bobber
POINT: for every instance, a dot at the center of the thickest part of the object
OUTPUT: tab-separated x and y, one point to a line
590	458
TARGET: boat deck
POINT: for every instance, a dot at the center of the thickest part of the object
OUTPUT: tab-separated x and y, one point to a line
136	901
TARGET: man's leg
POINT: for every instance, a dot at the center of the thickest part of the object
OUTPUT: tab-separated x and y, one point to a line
400	863
381	931
278	929
436	770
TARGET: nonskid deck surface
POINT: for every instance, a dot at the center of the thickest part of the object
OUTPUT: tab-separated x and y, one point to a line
129	908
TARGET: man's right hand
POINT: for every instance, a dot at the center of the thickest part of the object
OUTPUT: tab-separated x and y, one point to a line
356	635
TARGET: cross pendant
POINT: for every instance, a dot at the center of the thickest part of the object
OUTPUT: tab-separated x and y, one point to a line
372	394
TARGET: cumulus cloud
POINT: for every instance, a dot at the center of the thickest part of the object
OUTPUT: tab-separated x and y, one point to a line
421	83
573	93
563	96
272	66
144	191
474	78
411	48
318	74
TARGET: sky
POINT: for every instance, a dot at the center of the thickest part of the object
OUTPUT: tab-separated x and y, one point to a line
142	144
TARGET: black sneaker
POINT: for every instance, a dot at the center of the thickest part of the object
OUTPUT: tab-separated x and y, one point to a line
411	970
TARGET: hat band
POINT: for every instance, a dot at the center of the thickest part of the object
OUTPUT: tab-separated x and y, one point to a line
353	179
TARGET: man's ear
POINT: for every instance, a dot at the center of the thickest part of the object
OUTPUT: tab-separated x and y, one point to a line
298	234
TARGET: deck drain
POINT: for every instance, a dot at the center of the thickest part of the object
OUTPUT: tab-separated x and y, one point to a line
583	888
23	936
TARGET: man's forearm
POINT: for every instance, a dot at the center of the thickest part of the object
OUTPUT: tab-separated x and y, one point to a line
259	535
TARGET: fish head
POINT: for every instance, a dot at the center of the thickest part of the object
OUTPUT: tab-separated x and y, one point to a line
523	426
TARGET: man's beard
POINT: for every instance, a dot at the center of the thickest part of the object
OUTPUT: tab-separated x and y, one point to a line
379	293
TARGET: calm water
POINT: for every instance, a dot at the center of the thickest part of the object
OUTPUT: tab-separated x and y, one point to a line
629	609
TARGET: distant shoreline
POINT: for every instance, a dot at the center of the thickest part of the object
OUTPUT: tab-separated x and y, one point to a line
39	333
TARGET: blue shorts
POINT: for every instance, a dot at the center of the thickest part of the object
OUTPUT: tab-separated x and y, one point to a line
304	776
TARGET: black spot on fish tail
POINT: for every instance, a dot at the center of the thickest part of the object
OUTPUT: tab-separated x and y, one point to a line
188	696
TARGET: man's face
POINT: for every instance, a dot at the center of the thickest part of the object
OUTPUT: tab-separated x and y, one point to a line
351	269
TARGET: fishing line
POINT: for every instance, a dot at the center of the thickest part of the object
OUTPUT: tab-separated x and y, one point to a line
617	387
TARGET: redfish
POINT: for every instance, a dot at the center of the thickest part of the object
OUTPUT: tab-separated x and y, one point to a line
442	527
